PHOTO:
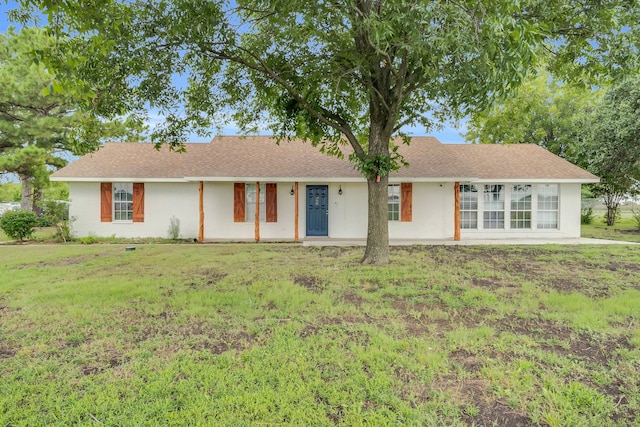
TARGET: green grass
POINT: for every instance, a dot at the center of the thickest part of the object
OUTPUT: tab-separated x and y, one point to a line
625	229
40	234
267	334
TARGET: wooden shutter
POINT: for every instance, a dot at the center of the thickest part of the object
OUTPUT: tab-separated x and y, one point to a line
238	202
272	202
138	202
406	189
106	197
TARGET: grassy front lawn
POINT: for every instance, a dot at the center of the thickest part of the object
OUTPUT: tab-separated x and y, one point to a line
246	334
42	234
625	229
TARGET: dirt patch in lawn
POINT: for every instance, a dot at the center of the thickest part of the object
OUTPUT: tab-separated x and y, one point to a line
207	278
480	407
350	297
104	359
563	340
485	410
61	262
311	283
6	353
170	335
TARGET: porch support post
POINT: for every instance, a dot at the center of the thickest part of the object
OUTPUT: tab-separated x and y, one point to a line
201	212
257	216
456	213
296	209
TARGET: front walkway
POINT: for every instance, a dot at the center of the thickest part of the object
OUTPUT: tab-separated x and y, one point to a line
323	241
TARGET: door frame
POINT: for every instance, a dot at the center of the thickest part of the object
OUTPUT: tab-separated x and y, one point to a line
325	231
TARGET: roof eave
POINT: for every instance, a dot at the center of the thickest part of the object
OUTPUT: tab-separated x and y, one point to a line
120	179
539	180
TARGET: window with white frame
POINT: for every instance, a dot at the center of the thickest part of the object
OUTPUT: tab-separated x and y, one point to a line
122	201
521	206
547	206
493	215
468	206
393	202
250	197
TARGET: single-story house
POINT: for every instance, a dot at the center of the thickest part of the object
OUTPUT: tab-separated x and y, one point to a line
250	188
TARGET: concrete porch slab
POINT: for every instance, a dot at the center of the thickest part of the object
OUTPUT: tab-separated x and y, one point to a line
320	241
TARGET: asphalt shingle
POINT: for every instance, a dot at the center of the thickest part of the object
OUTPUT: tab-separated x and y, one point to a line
230	157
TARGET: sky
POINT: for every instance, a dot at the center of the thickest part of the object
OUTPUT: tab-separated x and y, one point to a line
450	133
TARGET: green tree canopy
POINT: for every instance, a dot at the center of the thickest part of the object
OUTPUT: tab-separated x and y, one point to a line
543	111
597	129
38	124
612	147
336	72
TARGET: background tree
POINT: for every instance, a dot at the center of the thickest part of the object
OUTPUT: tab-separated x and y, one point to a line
338	72
40	127
598	129
30	163
543	111
612	145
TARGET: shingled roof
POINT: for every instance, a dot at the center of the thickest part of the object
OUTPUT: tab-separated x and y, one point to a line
230	158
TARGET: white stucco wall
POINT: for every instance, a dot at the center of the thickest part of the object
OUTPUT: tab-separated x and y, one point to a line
432	218
432	212
218	214
161	202
568	219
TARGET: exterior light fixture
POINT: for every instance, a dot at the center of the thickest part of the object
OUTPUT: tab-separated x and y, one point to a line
340	190
292	192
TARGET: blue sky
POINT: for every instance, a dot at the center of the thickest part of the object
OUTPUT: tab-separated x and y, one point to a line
448	134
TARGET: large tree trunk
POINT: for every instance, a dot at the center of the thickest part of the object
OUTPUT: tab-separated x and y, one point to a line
612	202
37	201
377	250
612	213
27	184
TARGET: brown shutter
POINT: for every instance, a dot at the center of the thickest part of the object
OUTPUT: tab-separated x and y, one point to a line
138	202
106	207
406	189
272	202
238	202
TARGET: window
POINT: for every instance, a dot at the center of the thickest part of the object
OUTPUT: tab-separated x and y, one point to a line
521	206
394	202
244	202
250	200
468	206
122	201
493	206
400	202
548	206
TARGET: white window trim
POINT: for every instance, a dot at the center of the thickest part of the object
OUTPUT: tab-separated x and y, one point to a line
398	186
114	201
510	193
558	210
507	208
251	206
507	195
477	210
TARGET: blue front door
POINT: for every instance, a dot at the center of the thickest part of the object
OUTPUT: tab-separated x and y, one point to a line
317	210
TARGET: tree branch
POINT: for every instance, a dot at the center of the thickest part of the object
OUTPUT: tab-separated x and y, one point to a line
323	115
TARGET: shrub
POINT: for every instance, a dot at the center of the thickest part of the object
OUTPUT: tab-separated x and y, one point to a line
46	221
174	228
64	231
57	209
18	224
586	216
